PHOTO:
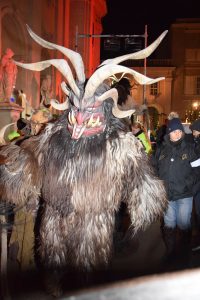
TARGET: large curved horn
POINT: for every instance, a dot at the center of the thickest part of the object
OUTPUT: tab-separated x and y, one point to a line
2	133
64	88
67	92
139	54
74	57
107	70
113	93
60	64
60	106
65	105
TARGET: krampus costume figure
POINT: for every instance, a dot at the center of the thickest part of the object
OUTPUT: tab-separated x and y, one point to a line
82	166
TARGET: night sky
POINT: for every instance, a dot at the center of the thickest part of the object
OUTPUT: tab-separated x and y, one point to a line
130	16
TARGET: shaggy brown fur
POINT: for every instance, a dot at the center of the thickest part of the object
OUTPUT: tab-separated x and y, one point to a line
82	184
19	180
2	159
82	167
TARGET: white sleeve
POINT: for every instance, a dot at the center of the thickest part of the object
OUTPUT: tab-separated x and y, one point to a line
195	163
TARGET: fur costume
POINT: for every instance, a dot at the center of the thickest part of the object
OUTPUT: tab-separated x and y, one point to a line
81	167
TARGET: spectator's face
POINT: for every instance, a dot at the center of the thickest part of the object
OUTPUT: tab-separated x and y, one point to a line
176	135
135	129
196	133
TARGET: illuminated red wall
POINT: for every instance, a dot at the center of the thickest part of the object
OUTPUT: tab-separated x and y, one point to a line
55	21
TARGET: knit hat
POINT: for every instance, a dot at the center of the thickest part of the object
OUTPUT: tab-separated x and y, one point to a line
195	125
174	124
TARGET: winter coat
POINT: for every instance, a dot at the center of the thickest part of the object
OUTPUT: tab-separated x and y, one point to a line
196	144
160	134
173	164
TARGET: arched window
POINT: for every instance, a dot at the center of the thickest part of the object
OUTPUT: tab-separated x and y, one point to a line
154	89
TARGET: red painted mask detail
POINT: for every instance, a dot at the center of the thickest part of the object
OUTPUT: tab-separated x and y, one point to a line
79	118
86	123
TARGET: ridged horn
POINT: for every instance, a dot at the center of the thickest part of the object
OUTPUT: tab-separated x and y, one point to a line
113	93
60	64
107	70
139	54
67	92
64	88
74	57
2	133
60	106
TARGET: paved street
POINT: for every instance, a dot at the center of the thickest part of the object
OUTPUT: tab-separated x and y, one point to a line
141	256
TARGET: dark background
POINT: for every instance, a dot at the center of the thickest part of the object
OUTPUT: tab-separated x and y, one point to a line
130	17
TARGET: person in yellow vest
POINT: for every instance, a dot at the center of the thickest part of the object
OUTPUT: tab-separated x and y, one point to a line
139	132
13	135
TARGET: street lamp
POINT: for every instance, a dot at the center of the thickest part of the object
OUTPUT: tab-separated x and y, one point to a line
193	113
195	110
195	105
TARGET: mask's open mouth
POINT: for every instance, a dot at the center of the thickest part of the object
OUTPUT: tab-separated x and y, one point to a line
83	125
77	131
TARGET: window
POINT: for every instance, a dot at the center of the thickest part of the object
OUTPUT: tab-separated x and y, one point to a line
189	85
192	85
154	89
112	44
133	44
198	85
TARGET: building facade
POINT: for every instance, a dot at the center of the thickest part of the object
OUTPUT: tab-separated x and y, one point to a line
185	52
180	91
73	24
59	21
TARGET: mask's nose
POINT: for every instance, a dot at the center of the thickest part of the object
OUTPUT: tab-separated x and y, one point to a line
79	118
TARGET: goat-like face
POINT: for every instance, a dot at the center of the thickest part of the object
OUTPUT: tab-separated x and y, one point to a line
86	117
86	122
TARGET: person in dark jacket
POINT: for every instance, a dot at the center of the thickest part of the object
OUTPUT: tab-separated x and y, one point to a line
177	163
160	133
195	128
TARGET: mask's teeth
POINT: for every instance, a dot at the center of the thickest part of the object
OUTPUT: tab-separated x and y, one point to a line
73	118
69	118
96	123
81	132
74	130
90	121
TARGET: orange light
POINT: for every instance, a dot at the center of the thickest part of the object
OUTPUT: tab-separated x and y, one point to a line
195	105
